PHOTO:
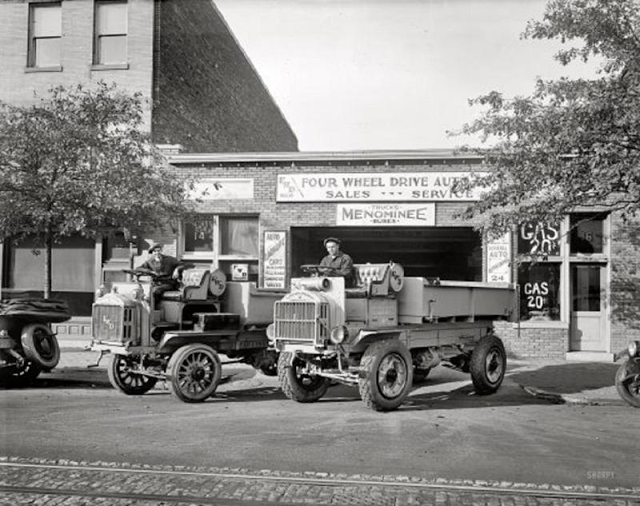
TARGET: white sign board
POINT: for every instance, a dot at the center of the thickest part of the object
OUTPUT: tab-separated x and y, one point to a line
359	186
274	260
499	260
392	214
222	189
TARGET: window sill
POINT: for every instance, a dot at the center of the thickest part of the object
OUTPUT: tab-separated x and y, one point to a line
53	68
111	66
541	324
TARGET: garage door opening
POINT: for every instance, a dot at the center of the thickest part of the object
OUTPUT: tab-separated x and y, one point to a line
453	253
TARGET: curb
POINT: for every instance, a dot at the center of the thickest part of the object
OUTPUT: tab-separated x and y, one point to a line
557	398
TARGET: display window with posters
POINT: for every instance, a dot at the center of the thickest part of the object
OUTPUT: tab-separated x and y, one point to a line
539	271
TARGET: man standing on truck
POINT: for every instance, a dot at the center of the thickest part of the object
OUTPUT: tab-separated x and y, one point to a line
337	263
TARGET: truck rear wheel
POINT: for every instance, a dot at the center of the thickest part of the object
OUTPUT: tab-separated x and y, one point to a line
122	376
40	345
194	372
488	365
295	384
386	374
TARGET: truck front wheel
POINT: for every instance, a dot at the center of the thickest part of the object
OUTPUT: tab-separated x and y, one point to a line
488	365
297	385
123	376
386	374
194	372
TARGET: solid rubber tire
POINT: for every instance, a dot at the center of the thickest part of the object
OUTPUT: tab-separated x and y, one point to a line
294	386
483	383
627	368
40	345
130	384
185	368
370	389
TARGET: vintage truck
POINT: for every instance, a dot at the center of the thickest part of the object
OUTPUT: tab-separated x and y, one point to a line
388	332
180	340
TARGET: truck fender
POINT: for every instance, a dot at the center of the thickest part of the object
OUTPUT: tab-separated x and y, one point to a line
366	339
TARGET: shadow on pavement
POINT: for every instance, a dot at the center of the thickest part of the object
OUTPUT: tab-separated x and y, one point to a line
568	377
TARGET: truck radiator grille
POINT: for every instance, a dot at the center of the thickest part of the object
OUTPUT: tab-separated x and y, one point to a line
115	323
302	321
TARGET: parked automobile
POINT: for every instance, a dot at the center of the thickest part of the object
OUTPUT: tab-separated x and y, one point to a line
28	345
628	375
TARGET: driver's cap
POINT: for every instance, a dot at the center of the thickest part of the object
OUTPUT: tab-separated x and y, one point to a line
332	239
155	247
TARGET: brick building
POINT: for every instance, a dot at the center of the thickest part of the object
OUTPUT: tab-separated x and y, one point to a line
202	92
579	301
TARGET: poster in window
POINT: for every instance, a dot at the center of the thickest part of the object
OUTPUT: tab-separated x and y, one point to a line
539	291
539	239
275	259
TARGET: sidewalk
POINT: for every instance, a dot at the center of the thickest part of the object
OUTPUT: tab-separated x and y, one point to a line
556	381
566	381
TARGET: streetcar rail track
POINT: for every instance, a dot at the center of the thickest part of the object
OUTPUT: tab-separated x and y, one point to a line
271	488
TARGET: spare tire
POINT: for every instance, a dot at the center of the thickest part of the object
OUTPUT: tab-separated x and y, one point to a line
40	345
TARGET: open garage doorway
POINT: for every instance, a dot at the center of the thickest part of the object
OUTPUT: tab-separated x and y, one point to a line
453	253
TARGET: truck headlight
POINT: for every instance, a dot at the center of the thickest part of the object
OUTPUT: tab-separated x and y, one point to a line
633	348
338	334
271	332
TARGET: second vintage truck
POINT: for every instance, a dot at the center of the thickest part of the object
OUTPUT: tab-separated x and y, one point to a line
385	333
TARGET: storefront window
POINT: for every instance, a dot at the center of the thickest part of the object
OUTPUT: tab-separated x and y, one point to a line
239	236
539	291
539	239
198	235
72	271
587	233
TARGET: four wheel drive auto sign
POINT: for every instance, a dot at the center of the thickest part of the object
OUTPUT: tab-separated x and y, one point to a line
376	186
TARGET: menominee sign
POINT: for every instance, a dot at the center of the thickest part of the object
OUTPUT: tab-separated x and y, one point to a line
400	186
416	215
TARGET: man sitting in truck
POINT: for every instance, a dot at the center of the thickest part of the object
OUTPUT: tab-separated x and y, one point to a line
166	269
336	263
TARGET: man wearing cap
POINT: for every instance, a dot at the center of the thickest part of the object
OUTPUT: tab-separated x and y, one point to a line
167	270
337	263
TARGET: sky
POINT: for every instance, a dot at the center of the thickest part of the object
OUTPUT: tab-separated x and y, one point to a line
390	74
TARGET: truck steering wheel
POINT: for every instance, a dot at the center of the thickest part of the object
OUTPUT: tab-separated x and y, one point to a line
138	273
318	270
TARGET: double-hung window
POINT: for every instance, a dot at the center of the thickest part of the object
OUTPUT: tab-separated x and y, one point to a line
110	33
45	35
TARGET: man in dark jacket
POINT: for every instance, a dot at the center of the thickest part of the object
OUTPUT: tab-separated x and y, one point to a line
167	270
337	263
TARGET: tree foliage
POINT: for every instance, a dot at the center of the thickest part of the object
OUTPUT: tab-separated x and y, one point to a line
573	143
79	162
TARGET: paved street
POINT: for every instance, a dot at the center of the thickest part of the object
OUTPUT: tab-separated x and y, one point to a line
71	439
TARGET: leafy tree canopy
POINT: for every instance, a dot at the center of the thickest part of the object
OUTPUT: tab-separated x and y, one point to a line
79	162
574	143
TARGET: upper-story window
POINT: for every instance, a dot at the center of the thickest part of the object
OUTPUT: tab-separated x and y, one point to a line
110	32
45	35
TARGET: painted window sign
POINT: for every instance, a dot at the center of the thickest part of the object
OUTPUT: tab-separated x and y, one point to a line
539	239
539	291
401	186
274	259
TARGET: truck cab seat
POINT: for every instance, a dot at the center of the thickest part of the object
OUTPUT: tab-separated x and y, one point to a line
194	286
372	280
